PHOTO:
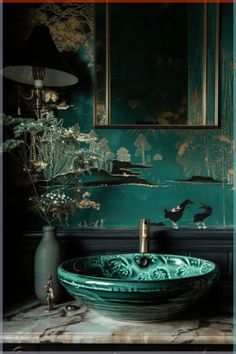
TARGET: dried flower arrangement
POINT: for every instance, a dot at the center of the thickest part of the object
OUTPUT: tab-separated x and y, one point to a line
53	158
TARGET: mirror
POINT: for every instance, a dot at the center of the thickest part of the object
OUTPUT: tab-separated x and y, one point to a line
156	65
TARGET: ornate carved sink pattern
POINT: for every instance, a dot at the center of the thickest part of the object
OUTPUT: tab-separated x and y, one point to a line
124	287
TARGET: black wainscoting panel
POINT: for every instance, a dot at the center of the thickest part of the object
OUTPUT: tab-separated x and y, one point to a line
213	244
230	265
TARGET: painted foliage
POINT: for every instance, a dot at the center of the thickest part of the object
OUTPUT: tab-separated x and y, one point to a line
144	172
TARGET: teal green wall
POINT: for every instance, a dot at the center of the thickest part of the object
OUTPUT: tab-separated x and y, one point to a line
173	155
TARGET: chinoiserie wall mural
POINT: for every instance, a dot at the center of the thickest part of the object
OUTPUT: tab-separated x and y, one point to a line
174	177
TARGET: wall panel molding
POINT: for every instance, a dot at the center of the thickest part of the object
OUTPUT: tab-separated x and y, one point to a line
213	244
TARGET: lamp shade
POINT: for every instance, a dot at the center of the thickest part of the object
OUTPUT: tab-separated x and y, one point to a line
40	51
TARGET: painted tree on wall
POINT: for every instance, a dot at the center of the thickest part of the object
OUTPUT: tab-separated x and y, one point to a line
105	153
142	145
103	148
93	138
227	80
212	153
71	25
123	154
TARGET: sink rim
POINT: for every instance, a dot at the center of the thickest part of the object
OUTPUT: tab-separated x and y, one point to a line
88	279
139	300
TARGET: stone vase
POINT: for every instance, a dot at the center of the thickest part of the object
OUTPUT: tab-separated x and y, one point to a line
48	256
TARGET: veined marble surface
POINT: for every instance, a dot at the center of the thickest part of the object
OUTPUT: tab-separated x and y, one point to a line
33	323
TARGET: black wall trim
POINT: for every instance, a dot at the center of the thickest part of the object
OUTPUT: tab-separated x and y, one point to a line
187	239
213	244
185	233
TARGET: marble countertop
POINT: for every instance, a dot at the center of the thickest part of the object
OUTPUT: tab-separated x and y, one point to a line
33	323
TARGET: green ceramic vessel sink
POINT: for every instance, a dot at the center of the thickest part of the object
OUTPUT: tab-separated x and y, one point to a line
138	287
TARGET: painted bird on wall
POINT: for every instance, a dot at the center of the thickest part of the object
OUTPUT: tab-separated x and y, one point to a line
199	217
176	213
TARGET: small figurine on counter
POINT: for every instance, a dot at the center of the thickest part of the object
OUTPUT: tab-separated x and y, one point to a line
199	217
176	213
50	295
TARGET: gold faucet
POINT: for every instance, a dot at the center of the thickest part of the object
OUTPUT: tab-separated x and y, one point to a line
144	235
